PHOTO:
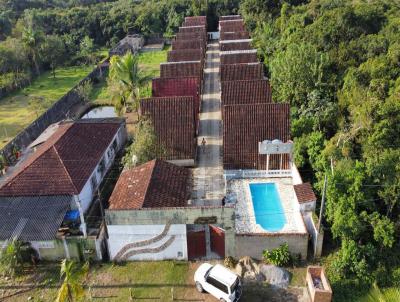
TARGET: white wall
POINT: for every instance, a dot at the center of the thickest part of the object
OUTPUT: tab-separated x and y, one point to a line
86	195
121	235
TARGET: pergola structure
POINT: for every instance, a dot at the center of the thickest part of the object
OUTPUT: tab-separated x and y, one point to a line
276	146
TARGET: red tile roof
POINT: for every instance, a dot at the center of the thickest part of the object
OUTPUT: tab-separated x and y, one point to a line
191	29
174	124
245	92
231	25
163	87
185	55
230	17
188	44
236	72
181	69
155	184
304	193
195	20
239	57
235	35
244	126
65	162
191	35
235	45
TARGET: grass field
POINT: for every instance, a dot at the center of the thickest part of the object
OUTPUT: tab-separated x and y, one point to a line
149	62
15	111
107	282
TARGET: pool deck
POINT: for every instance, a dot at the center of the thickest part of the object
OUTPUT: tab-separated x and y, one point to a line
245	217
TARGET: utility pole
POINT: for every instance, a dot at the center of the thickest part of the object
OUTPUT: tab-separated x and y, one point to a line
321	212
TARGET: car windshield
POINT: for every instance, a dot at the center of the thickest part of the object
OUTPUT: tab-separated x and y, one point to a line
234	285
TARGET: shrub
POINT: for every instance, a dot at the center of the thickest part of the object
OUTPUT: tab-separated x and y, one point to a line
279	256
230	262
11	261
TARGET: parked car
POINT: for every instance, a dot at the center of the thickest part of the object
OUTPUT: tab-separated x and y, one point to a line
218	281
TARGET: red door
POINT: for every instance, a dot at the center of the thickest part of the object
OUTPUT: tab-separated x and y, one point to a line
196	243
217	236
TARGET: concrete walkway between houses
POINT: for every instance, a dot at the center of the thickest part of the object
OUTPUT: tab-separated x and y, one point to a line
208	180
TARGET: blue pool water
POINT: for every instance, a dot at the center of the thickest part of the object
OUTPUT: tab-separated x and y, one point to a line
267	206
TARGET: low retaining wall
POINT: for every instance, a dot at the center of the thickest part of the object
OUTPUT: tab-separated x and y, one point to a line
253	244
57	112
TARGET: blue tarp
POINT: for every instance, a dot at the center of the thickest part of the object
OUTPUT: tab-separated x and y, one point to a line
72	215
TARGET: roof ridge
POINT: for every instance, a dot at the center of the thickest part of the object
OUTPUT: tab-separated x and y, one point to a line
65	169
39	153
149	180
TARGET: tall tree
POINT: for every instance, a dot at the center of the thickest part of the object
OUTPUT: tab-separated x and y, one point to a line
32	39
125	81
53	51
72	274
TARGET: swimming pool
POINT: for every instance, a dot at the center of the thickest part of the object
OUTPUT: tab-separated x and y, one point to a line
267	206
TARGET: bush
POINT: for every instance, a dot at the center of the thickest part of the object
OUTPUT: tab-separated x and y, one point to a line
11	262
230	262
279	256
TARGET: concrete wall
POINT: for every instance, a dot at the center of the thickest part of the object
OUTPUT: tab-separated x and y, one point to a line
78	249
253	245
60	110
221	216
146	248
316	238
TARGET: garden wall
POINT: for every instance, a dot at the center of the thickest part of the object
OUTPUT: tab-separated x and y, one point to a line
58	111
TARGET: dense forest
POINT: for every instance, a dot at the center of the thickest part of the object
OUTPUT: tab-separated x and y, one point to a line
37	35
338	64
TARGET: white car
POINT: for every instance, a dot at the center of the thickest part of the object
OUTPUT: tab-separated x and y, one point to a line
218	281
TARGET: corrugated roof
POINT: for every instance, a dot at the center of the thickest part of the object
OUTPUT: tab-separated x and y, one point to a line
304	193
191	29
231	25
245	92
174	124
237	72
191	35
244	126
153	184
195	21
43	215
64	163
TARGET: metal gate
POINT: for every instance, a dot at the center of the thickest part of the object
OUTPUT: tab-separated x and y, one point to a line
196	243
217	236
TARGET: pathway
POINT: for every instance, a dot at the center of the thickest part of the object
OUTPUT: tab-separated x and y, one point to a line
208	180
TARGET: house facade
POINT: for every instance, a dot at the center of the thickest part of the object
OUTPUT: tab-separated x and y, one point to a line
61	178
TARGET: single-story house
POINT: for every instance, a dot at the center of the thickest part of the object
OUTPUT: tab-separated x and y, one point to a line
58	180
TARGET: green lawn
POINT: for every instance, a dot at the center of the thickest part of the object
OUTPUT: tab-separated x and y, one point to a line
150	281
15	112
149	62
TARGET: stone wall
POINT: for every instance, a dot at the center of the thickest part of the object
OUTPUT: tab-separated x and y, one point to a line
58	111
253	244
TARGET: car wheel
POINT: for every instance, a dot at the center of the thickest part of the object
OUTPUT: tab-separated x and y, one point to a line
199	287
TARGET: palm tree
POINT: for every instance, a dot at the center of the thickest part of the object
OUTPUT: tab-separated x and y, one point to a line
125	80
71	289
31	40
389	295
